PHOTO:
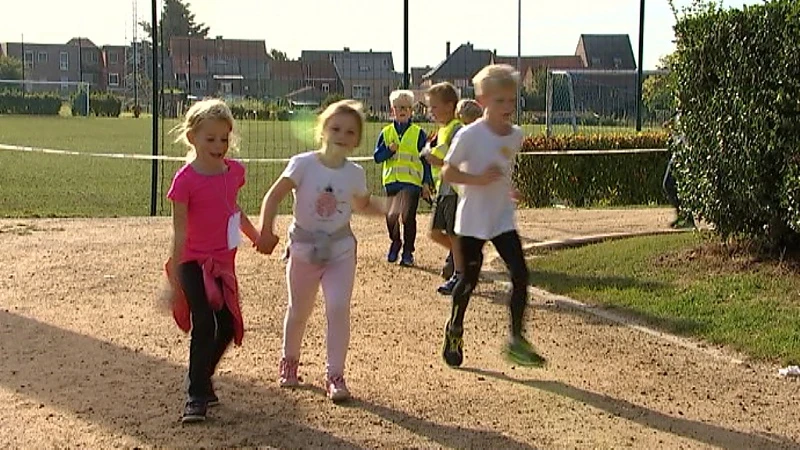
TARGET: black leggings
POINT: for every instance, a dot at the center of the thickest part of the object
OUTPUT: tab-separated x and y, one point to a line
212	331
509	247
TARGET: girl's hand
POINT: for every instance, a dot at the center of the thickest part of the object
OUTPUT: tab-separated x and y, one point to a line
267	242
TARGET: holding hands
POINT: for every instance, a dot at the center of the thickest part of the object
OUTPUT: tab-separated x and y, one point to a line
266	242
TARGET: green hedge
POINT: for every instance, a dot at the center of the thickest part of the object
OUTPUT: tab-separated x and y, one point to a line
738	88
606	141
100	104
592	179
14	102
250	110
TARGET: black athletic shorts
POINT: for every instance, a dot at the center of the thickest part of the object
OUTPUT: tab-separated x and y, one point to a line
444	214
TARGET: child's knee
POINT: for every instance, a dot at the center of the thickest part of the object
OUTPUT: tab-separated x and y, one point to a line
520	276
337	312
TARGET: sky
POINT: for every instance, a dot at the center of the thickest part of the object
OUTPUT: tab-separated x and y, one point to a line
548	27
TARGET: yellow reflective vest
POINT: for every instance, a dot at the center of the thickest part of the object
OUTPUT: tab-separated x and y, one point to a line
443	138
405	165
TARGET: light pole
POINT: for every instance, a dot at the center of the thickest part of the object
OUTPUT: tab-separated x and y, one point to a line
405	45
640	68
519	59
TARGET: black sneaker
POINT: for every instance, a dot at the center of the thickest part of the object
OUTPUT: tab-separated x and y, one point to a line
194	411
453	351
448	286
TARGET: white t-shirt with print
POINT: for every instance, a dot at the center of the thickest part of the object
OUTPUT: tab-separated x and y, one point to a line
485	212
323	199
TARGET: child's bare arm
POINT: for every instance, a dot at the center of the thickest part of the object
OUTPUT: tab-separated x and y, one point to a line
434	160
271	202
180	212
369	204
269	209
248	228
452	174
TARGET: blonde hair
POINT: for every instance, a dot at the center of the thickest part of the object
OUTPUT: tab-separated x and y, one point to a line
468	111
401	94
444	92
206	109
495	76
351	107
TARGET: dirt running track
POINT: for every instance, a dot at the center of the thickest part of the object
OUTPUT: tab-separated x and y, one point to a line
89	361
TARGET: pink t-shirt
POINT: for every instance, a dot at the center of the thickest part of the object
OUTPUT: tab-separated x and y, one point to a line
211	200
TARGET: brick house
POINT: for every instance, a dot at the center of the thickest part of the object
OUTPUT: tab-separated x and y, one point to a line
365	75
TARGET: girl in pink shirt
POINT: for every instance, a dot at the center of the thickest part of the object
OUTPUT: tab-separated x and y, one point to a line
321	249
206	220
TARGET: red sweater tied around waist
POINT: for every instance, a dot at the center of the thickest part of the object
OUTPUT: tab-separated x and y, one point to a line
227	295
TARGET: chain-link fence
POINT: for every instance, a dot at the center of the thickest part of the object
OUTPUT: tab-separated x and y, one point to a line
275	98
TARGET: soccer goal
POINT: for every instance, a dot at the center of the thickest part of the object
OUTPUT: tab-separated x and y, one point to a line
588	98
67	91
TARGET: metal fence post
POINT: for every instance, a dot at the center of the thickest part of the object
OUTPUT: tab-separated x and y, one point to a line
154	163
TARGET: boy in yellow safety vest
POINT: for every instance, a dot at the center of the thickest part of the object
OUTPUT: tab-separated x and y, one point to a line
442	99
404	174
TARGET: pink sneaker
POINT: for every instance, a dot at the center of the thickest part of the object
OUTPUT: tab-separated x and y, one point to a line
337	388
288	370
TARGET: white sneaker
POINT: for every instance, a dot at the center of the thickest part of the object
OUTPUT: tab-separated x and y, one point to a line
337	388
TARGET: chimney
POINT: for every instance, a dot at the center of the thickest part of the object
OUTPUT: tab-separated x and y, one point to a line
448	50
346	49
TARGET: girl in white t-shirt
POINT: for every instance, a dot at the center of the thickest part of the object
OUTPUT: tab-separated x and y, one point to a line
321	248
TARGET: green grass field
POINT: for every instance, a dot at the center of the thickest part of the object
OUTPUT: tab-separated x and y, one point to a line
683	284
65	186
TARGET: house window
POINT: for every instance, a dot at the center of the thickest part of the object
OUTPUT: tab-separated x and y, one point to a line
41	57
362	92
386	90
64	78
113	58
595	61
63	60
113	79
28	59
90	57
363	68
617	63
227	87
461	83
200	85
325	87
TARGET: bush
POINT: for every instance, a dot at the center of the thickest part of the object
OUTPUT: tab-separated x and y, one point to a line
594	179
608	141
250	110
737	76
15	102
100	104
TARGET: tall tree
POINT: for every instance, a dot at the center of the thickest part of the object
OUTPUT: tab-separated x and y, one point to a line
10	68
278	55
176	20
658	91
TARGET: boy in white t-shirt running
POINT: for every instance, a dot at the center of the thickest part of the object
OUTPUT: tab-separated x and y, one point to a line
480	160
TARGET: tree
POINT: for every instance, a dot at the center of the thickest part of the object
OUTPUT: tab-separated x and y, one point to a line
329	100
176	20
278	55
10	68
658	91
